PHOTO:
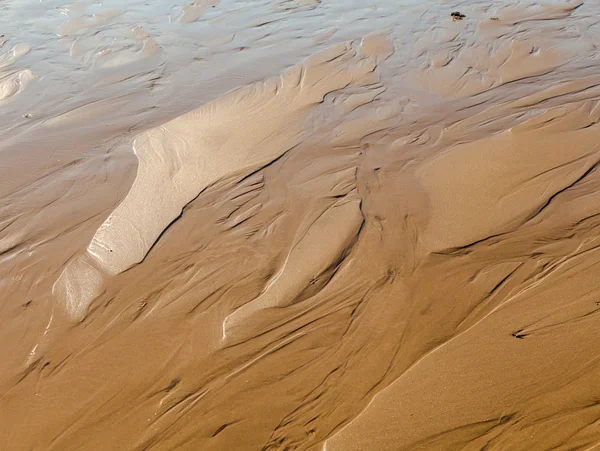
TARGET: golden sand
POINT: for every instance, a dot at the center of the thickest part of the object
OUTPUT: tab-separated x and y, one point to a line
300	225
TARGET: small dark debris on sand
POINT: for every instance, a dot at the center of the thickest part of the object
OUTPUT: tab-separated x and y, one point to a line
456	15
519	334
494	18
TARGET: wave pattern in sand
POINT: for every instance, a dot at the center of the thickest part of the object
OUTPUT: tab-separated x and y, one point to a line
390	245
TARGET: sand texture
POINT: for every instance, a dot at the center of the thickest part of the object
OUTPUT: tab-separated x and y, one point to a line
300	225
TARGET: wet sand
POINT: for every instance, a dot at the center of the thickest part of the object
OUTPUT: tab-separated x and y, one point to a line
300	224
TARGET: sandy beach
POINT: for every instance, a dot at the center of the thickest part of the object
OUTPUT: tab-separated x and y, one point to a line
300	225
